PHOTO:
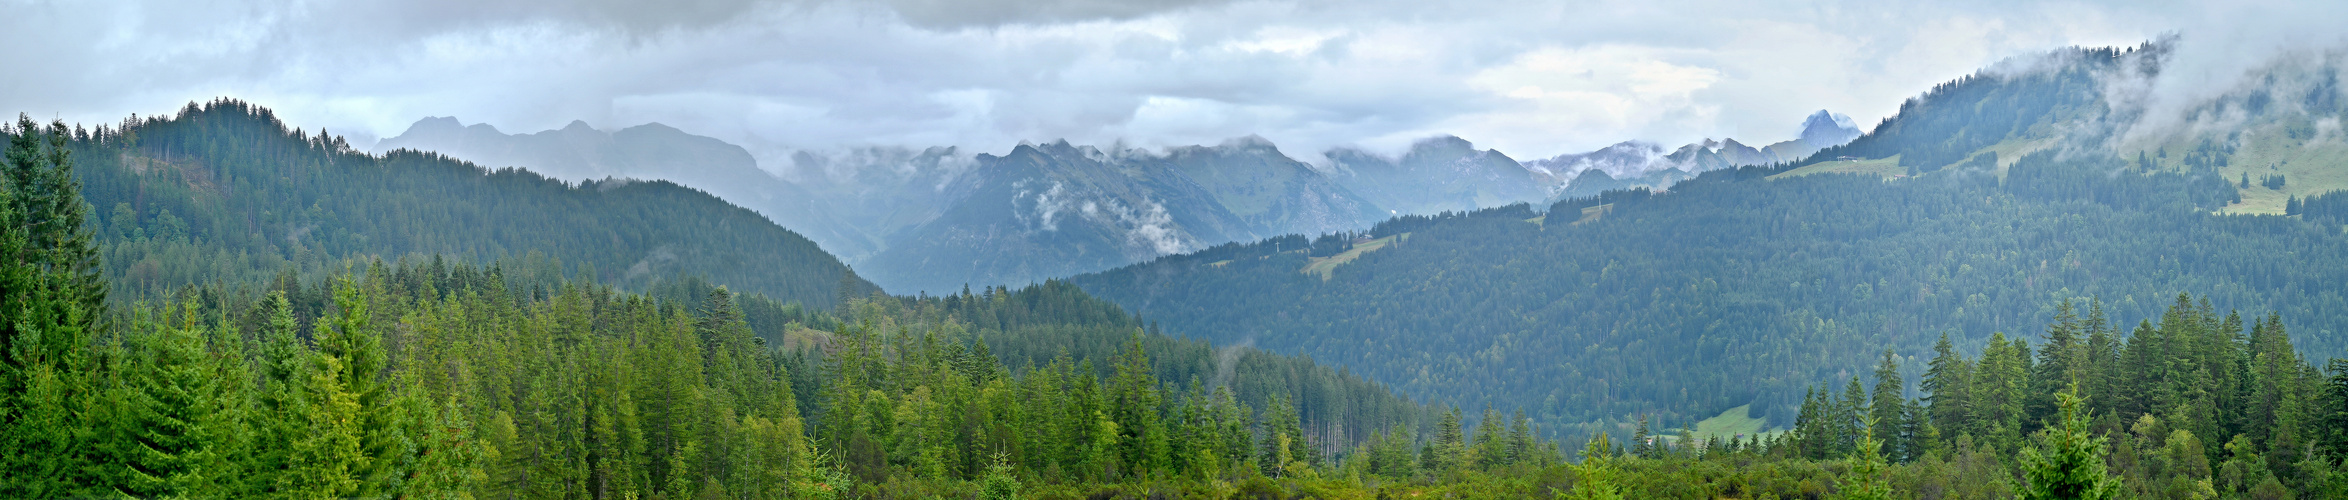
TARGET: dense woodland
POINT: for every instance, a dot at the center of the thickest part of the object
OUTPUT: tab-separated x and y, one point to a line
1726	292
434	380
430	379
429	329
1745	286
224	191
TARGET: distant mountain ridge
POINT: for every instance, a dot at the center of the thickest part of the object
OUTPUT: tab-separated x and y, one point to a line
225	191
1055	209
936	219
1644	164
1981	203
579	152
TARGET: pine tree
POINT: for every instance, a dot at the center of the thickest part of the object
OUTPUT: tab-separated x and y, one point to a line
1998	392
277	420
1850	417
2068	463
1948	384
1490	450
328	457
51	297
2333	412
177	433
1597	477
1642	441
1888	413
1812	434
51	305
2059	361
1449	444
348	337
1865	479
1143	445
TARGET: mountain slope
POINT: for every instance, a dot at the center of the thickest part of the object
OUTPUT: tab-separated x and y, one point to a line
651	151
1270	192
1644	164
1734	288
1437	174
226	190
1053	210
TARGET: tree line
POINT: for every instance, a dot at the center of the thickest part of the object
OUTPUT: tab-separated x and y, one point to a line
224	190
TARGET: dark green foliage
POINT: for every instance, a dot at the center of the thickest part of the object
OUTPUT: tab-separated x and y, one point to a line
51	299
224	191
1331	244
1749	289
1953	120
2068	463
2329	208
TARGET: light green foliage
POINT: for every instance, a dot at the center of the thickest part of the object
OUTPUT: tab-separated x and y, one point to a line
51	298
2068	462
1596	477
1865	479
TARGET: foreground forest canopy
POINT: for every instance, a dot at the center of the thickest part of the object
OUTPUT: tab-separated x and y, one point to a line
427	379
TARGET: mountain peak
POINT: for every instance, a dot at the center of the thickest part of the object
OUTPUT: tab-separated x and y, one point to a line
1824	129
440	125
1247	142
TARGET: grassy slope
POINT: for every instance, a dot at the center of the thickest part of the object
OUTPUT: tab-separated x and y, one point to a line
1592	214
1885	167
1324	265
2307	166
1733	423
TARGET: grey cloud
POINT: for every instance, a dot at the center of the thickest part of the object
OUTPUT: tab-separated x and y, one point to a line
783	77
958	14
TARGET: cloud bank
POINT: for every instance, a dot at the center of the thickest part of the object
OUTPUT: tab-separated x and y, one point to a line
782	77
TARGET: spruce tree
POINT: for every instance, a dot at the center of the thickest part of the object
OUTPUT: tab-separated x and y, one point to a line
1889	410
328	458
1449	444
1865	481
1597	477
280	408
1948	387
1642	441
1850	417
2068	463
176	431
51	297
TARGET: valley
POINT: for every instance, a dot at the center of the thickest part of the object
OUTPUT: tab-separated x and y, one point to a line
2015	286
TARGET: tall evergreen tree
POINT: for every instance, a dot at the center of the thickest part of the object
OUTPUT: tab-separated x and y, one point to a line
177	432
1888	411
51	299
2068	462
1865	480
1949	390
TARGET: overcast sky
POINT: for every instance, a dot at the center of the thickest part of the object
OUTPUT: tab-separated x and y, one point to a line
1530	78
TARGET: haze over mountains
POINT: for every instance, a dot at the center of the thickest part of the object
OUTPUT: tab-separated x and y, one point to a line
936	219
1969	213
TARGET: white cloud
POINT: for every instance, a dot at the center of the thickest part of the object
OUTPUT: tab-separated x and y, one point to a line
1532	78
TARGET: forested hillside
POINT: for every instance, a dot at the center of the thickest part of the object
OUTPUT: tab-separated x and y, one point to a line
223	191
433	379
1744	286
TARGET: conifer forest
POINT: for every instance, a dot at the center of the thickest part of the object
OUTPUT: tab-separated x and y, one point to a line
1979	298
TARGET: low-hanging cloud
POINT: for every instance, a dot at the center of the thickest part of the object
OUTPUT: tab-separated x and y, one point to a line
783	77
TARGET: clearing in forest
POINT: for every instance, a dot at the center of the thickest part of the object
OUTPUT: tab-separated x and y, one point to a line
1324	265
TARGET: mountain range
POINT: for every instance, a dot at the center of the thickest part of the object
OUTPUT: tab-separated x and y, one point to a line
1973	213
937	220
